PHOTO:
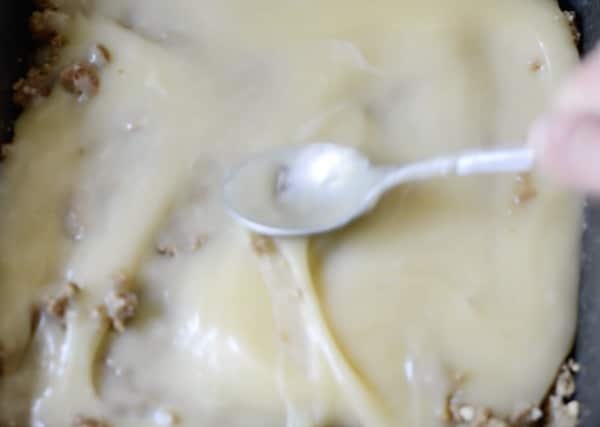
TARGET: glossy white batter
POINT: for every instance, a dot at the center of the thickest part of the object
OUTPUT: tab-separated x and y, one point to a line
447	288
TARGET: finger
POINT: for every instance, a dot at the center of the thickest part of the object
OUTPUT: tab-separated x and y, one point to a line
568	148
581	93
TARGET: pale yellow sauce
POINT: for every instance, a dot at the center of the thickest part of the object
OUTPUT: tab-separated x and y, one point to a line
371	326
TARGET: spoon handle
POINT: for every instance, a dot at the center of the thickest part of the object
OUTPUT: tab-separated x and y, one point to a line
495	161
470	163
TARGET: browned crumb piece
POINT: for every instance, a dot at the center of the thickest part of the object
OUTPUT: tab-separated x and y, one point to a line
529	416
525	190
58	305
99	55
558	410
536	65
561	410
45	26
82	421
121	306
262	245
34	318
571	20
166	250
461	414
101	314
41	27
80	79
36	84
573	366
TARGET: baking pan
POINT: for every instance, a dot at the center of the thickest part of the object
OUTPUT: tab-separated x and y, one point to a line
15	44
587	344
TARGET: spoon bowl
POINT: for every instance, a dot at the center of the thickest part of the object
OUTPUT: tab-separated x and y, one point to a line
300	190
316	188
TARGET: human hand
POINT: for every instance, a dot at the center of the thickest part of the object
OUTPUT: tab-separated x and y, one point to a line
567	139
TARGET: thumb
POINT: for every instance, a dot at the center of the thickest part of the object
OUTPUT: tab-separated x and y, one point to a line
568	149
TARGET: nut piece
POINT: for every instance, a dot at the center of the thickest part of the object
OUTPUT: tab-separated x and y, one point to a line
565	384
525	190
41	27
83	421
36	84
99	56
121	306
166	250
536	65
80	79
571	20
262	245
560	410
58	305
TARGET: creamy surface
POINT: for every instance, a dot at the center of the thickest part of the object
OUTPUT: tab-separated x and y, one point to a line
447	287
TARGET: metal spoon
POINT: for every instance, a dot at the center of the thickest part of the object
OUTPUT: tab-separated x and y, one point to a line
316	188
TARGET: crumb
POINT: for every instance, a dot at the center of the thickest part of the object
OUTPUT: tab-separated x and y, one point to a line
573	366
35	85
121	306
536	65
561	414
58	305
82	421
40	25
45	25
99	56
571	20
529	416
459	414
56	42
100	313
561	410
468	415
525	190
262	245
80	79
558	410
565	384
166	250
